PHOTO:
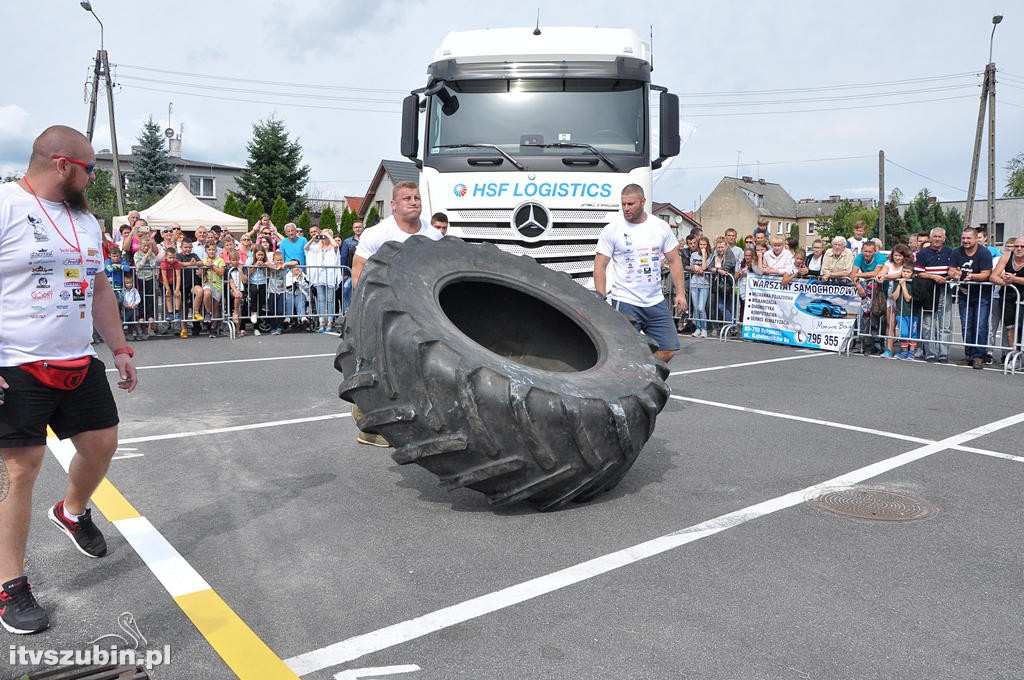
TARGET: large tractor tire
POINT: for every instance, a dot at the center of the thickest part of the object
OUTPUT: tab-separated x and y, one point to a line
496	373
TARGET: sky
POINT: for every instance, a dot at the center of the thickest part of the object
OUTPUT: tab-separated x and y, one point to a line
803	93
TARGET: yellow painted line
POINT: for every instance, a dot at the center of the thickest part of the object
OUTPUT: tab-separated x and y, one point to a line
112	504
240	648
237	644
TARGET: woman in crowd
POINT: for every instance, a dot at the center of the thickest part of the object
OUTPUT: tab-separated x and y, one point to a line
722	270
814	261
276	279
700	286
888	273
1009	273
323	262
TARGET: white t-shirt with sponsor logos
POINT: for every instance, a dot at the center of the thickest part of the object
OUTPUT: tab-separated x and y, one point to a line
44	311
636	252
388	230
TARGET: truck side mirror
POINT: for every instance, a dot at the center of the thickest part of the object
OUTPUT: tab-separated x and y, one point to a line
411	129
668	134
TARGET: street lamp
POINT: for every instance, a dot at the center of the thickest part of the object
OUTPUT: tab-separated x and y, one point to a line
995	22
101	69
87	6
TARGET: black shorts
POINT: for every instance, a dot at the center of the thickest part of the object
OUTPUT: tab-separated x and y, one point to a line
29	406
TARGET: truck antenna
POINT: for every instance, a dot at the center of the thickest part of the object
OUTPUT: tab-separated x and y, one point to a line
536	30
652	46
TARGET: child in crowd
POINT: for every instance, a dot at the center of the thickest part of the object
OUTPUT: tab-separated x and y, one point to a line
906	315
236	288
170	279
115	270
296	294
276	292
147	269
213	286
800	261
257	270
191	281
130	307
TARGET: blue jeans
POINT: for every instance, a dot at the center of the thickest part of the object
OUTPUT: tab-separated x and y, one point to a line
294	304
974	315
699	306
275	305
346	293
936	330
325	303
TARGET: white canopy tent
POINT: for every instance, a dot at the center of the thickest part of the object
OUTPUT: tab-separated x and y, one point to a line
180	207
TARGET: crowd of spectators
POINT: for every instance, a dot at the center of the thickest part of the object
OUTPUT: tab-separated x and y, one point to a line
907	296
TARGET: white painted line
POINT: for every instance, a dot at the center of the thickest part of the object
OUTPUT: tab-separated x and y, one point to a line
231	361
124	456
368	643
234	428
166	563
841	426
751	363
375	672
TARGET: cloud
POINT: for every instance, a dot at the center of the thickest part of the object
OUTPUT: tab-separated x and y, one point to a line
332	26
16	137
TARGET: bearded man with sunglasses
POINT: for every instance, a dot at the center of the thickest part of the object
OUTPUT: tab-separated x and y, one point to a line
52	292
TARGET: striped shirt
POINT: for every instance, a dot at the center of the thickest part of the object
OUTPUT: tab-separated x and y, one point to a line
933	261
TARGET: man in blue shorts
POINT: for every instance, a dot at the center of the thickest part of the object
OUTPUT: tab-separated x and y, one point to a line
635	244
49	372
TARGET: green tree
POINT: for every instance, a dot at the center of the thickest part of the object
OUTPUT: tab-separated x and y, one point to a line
328	220
253	210
347	218
232	206
372	218
841	222
279	213
304	223
1015	177
102	198
153	173
274	167
14	177
895	227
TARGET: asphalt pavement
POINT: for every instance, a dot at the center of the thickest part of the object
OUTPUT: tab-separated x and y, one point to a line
705	562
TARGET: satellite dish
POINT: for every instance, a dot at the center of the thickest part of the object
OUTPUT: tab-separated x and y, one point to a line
169	133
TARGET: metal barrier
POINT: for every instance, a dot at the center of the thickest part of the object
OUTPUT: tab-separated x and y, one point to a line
714	302
939	317
310	297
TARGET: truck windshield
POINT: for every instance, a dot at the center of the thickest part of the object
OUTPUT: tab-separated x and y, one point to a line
546	117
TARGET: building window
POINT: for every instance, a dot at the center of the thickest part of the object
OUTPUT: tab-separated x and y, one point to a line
201	187
995	239
781	227
811	227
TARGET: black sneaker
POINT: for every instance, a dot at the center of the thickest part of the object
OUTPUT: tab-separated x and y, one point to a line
83	533
19	612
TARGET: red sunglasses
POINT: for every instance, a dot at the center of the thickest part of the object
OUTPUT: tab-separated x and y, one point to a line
89	167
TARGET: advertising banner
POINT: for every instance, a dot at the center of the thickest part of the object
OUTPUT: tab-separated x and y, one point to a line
803	313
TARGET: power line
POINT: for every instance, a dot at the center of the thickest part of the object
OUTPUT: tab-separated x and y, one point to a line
221	88
805	160
860	96
311	86
259	101
741	93
839	108
930	179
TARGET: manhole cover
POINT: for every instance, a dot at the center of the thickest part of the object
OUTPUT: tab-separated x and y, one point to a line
864	503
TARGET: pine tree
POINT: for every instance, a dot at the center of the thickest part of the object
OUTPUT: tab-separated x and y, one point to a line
328	220
253	210
372	217
232	206
304	223
279	213
274	167
153	173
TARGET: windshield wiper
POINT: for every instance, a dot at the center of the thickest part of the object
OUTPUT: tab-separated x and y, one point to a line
497	148
578	145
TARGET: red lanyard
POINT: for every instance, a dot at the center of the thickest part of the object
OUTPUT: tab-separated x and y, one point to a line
71	221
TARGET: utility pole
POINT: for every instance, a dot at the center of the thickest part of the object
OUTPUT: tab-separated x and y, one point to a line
101	69
881	196
988	101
